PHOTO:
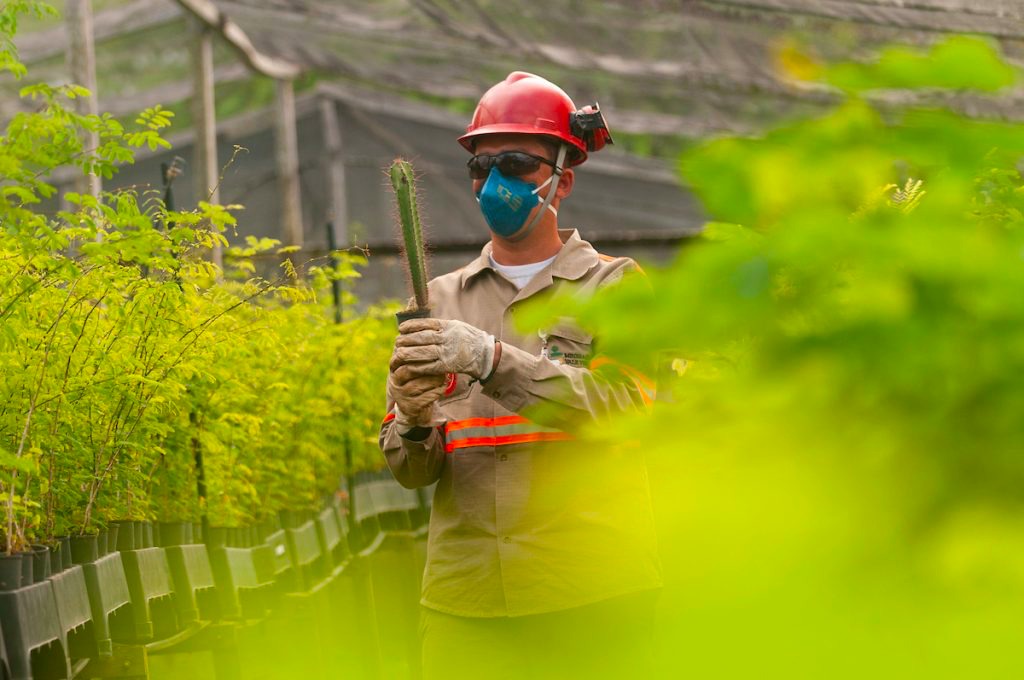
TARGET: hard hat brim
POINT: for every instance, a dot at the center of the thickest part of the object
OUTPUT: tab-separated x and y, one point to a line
467	140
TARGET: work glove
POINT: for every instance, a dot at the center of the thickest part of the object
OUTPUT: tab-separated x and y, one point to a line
416	401
439	346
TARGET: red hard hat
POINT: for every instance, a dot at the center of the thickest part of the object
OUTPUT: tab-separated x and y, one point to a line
528	104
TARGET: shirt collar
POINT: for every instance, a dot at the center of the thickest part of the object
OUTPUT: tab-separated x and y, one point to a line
575	259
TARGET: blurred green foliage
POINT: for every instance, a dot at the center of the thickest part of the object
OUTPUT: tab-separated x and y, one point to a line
836	451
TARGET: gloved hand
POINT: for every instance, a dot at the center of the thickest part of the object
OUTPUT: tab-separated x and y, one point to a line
416	401
439	346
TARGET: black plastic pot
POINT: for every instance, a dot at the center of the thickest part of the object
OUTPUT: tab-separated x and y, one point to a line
56	563
113	533
101	542
84	549
65	552
216	537
40	563
175	533
10	571
139	532
289	519
125	534
27	570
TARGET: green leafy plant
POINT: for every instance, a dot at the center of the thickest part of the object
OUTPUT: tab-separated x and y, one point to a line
135	371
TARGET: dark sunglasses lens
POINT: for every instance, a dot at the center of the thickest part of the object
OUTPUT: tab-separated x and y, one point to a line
480	166
515	164
510	163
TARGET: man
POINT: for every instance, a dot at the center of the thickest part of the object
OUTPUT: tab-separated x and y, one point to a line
541	558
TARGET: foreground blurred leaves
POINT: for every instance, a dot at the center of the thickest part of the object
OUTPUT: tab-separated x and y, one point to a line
838	469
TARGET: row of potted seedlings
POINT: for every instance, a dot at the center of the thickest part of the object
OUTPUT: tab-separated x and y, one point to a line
141	581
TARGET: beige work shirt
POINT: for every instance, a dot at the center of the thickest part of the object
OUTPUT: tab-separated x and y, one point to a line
526	519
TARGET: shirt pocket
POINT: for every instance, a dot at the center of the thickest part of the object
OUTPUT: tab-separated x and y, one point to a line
567	343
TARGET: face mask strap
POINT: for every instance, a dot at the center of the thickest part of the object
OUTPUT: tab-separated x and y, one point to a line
546	203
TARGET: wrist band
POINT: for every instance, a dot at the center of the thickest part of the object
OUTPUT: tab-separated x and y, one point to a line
494	362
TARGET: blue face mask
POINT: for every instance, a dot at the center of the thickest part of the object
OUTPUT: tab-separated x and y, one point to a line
506	202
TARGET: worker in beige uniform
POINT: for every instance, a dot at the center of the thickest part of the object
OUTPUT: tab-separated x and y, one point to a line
541	557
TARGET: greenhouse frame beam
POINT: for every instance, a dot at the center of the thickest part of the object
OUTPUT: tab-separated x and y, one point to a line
210	14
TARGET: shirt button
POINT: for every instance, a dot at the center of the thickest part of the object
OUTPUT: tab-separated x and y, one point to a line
507	539
504	457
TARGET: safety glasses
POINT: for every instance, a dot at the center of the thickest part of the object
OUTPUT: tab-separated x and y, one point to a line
510	163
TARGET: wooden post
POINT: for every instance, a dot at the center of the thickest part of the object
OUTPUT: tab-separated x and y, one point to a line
337	210
286	149
82	65
205	121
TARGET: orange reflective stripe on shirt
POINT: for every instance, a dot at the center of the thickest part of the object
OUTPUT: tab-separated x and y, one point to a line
501	431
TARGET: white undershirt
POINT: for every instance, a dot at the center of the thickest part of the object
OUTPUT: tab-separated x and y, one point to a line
521	274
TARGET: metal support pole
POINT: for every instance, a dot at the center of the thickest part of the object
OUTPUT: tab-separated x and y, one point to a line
286	148
82	65
337	211
205	120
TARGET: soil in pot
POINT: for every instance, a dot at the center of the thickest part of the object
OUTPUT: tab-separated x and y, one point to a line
10	571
